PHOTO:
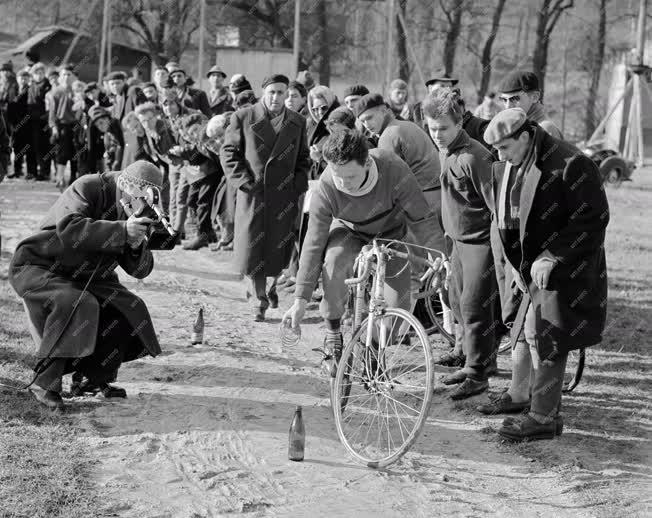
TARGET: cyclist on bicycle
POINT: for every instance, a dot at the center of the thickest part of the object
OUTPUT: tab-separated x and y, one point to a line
363	194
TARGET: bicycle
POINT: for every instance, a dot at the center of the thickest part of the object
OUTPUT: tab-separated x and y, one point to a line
384	380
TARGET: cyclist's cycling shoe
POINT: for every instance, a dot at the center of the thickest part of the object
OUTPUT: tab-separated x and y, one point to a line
332	352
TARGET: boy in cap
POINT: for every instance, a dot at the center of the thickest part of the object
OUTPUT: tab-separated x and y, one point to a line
62	121
219	99
552	213
238	84
265	156
466	217
520	89
353	94
192	98
104	141
65	274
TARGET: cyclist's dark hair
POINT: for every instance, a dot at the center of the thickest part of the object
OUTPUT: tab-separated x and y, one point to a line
346	145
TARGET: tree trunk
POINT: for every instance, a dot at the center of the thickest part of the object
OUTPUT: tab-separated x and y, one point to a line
596	69
401	44
452	35
546	21
485	61
324	47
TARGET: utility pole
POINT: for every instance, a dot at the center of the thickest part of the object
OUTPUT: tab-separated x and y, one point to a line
296	40
105	16
202	37
109	39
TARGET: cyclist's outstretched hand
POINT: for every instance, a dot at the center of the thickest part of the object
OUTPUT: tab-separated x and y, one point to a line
294	315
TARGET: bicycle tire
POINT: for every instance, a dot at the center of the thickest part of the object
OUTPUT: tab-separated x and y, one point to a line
433	304
570	385
339	389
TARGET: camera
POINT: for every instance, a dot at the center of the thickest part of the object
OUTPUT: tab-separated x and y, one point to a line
161	235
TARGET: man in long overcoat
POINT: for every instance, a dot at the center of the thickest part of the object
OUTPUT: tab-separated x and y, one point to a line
82	318
265	156
552	213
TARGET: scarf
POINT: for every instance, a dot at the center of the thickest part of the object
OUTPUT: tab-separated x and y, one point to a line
536	113
509	201
366	187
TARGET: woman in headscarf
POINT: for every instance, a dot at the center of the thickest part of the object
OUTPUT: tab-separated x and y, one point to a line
321	102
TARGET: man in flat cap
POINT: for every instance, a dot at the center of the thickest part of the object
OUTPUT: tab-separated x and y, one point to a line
38	155
192	98
552	213
265	156
520	89
124	98
82	318
219	98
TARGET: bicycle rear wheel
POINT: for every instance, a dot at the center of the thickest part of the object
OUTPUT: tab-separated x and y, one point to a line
382	392
574	369
434	299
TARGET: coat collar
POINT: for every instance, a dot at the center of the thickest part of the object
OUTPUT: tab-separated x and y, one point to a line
462	140
262	127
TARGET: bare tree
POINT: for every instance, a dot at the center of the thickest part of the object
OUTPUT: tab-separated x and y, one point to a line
324	47
549	14
401	43
597	55
165	28
487	56
453	13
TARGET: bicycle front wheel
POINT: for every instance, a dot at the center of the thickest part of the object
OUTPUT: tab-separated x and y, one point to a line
383	388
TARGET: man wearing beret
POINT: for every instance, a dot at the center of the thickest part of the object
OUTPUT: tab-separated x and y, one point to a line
265	156
551	211
192	98
520	89
405	139
124	98
82	318
219	98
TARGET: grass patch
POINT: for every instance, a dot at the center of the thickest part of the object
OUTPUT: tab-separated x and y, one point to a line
44	468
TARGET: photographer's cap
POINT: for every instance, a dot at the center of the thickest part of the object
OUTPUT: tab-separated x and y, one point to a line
141	174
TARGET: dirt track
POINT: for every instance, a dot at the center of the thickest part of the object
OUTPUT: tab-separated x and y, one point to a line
204	430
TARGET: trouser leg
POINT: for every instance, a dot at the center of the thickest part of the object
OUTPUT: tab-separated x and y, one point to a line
474	263
182	201
258	283
173	177
341	251
205	192
51	374
509	301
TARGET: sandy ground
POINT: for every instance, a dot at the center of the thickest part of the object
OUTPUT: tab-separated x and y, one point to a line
204	430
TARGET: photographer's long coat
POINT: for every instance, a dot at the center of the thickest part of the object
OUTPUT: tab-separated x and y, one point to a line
270	172
84	234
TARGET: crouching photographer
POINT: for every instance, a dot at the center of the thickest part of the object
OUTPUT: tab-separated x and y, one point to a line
83	320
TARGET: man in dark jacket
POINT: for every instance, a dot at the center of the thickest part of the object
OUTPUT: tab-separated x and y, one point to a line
19	121
82	318
125	98
192	98
265	155
219	97
552	214
466	216
38	155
